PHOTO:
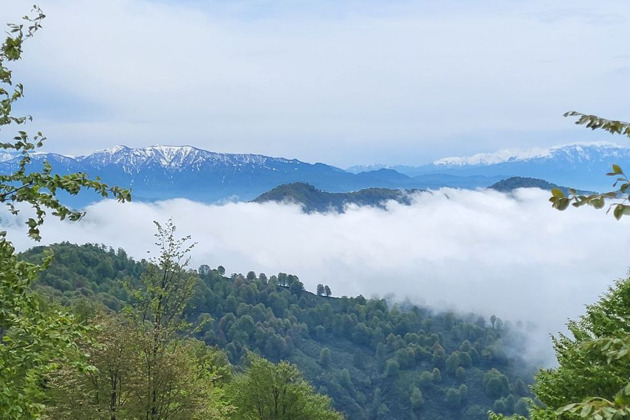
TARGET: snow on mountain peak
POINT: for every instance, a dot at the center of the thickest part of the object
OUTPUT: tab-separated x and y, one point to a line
515	155
174	158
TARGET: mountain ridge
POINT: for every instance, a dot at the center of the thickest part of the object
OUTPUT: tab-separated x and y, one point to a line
166	172
314	200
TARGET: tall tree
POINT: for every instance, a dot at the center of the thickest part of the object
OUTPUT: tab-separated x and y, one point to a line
166	288
115	389
277	392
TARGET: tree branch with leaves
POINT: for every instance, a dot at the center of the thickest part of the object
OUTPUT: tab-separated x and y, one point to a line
34	339
619	198
37	188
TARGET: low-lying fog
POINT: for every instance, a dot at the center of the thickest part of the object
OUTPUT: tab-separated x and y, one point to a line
480	251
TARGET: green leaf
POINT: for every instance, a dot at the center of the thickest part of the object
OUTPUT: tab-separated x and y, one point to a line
556	192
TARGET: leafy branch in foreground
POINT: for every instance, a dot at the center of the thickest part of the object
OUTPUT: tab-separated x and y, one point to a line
37	188
617	351
621	194
35	339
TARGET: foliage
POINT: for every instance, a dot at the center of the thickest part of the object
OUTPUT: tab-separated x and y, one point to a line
594	364
34	338
116	388
268	391
341	345
166	287
37	188
145	368
618	197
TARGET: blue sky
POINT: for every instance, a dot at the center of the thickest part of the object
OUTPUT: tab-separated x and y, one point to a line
343	82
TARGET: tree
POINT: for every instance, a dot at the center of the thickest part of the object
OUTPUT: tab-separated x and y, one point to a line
495	384
110	390
327	291
324	357
278	392
145	367
34	340
166	288
320	290
115	389
416	399
453	399
594	365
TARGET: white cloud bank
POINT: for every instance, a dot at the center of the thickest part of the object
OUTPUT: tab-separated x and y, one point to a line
468	250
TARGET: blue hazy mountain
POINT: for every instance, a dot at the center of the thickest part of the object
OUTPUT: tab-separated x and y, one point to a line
164	172
580	165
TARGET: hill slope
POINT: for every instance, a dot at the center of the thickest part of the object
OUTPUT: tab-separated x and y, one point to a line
374	359
313	200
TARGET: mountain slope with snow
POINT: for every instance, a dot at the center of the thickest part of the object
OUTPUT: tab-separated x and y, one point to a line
582	165
164	172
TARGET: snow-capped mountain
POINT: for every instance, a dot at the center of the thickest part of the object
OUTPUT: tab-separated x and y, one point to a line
576	152
177	159
582	165
163	172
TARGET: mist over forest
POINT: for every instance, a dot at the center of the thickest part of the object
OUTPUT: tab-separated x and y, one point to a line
470	251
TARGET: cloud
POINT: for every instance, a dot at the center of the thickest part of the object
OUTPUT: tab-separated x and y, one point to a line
341	82
470	251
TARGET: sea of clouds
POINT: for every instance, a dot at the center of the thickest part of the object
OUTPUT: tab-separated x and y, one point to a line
470	251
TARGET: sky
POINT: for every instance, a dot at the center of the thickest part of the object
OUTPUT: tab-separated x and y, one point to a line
340	82
466	251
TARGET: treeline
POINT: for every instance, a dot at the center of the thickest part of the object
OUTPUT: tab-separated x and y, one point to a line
375	361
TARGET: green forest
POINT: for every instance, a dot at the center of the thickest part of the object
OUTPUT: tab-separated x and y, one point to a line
374	360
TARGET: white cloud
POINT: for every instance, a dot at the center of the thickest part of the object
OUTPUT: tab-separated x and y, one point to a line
342	82
469	250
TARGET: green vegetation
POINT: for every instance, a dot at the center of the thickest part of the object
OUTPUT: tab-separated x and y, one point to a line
594	364
512	183
314	200
591	380
369	357
268	391
35	338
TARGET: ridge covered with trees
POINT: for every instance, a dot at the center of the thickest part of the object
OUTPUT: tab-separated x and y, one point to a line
373	359
313	200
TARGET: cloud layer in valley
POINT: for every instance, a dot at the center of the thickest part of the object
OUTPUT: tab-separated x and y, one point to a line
479	251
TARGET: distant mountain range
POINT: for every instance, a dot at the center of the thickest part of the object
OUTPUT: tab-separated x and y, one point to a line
580	165
313	200
164	172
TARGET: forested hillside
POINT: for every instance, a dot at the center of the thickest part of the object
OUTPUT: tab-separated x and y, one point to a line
374	360
313	200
